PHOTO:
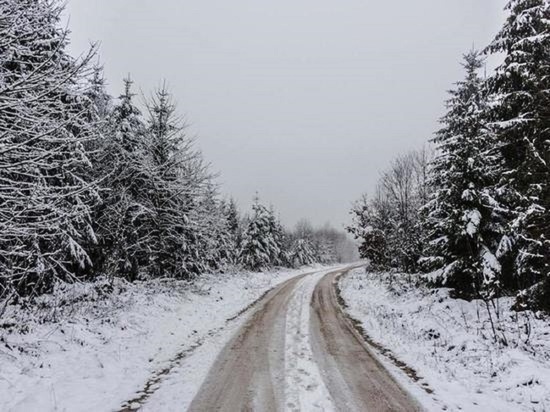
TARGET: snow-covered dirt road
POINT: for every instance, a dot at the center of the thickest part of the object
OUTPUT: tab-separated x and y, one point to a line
299	352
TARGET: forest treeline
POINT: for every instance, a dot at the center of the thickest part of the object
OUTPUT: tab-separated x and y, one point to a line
94	185
477	210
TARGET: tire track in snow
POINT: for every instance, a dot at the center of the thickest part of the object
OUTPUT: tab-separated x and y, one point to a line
355	377
248	373
304	386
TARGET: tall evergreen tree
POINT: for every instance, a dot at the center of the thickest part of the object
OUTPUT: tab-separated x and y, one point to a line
459	216
98	104
216	246
302	253
521	125
45	192
369	226
234	228
178	178
277	230
124	216
259	246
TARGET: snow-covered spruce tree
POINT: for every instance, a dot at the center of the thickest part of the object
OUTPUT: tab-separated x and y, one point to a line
124	217
369	225
460	220
96	107
280	255
304	230
234	228
302	253
521	124
45	194
211	227
259	248
178	176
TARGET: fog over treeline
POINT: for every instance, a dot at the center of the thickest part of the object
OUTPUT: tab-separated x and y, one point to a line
305	101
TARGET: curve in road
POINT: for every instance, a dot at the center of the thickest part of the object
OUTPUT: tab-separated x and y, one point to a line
299	352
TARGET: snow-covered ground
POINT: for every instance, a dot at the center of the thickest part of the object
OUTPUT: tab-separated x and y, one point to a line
110	345
451	344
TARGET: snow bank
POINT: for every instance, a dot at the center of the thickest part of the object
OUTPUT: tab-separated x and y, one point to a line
97	346
451	344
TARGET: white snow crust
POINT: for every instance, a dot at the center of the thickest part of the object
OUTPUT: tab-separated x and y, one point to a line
451	344
93	346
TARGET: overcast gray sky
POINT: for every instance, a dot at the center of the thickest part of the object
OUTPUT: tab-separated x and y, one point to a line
304	101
